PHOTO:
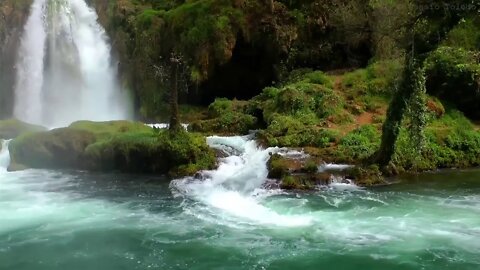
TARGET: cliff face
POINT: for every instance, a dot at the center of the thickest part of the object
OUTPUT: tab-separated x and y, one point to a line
13	15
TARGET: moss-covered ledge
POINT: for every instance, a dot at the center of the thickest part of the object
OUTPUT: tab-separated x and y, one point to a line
12	128
113	146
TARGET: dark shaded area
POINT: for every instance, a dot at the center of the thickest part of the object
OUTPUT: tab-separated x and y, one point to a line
463	93
251	69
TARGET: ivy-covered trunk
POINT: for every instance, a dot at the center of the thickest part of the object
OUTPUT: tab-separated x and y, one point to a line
174	115
410	93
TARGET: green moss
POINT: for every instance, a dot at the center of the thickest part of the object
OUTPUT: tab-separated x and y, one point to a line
227	123
13	128
145	18
278	167
59	148
219	107
310	166
174	153
105	129
287	131
366	176
120	146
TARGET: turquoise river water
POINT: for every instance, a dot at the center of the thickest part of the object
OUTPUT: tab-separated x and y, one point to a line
77	220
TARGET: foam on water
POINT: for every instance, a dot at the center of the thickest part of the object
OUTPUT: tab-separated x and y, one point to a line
229	209
165	125
4	156
232	188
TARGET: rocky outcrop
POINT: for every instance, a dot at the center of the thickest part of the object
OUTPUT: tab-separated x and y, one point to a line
13	128
113	146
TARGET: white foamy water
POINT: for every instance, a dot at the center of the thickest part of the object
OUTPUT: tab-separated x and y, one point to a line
64	69
4	156
233	188
334	167
165	125
95	219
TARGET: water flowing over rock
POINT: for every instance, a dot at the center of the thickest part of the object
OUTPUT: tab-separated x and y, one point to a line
64	68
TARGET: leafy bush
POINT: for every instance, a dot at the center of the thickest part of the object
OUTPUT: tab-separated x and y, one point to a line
361	143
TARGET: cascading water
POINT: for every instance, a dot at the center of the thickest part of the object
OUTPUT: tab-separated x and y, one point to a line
4	156
225	218
236	187
64	68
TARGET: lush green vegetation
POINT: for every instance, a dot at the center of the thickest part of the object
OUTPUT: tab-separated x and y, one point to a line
391	83
113	146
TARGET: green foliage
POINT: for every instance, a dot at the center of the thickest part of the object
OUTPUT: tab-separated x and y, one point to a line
360	144
465	35
453	63
451	141
13	128
277	167
287	131
219	107
117	145
309	76
417	113
379	78
367	175
230	122
144	19
310	166
453	75
290	183
110	128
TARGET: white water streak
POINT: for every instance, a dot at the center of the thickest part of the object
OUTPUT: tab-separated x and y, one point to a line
233	186
4	156
64	69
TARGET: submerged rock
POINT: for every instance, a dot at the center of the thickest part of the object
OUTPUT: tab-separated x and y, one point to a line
13	128
113	146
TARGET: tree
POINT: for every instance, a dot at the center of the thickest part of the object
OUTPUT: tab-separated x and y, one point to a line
425	30
173	76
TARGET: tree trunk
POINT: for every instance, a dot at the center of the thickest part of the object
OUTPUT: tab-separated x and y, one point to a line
396	112
174	115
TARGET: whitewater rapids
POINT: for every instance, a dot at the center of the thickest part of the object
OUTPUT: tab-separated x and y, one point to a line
225	218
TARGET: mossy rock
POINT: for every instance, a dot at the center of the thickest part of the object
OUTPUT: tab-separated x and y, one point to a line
366	175
278	167
13	128
59	148
177	154
113	146
110	128
298	182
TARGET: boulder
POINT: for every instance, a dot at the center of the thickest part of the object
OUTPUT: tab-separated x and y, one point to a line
58	148
113	146
13	128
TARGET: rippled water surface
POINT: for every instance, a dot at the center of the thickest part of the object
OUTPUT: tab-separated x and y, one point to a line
72	220
55	220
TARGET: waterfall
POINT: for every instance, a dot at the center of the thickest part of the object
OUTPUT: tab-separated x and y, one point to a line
64	67
4	156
